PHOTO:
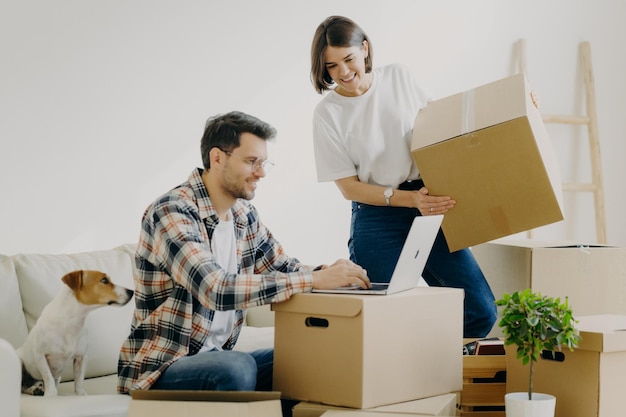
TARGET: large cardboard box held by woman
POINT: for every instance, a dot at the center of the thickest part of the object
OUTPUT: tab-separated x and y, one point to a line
489	150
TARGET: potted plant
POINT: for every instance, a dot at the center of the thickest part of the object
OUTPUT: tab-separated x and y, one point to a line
535	323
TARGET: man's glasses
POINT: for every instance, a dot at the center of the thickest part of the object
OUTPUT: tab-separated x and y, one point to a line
255	164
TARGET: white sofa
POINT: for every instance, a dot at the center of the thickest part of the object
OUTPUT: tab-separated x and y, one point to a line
28	282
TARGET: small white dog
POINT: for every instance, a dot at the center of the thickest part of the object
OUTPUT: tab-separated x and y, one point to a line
60	334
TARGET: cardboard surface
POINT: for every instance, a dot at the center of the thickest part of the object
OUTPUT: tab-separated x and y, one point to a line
166	403
592	277
489	150
441	405
363	351
588	382
365	413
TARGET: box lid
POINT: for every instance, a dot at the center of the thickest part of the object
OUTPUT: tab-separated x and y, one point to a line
546	244
167	403
323	304
602	333
431	406
369	413
456	115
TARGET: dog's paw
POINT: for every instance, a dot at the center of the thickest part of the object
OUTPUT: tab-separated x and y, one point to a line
81	392
51	392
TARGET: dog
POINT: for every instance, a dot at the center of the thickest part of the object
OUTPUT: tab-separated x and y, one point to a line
60	334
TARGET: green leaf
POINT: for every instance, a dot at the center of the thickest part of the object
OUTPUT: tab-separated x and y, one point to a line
535	323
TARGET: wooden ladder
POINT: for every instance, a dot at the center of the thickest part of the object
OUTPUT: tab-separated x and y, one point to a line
591	121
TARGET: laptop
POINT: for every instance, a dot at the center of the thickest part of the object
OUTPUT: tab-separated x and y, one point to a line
411	263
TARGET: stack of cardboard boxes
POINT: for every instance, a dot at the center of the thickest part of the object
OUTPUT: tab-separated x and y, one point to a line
586	382
488	149
356	352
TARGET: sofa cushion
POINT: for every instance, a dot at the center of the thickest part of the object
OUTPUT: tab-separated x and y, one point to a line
10	374
113	405
261	316
103	385
254	338
13	324
39	278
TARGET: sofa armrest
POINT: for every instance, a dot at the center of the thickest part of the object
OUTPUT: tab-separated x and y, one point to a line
10	380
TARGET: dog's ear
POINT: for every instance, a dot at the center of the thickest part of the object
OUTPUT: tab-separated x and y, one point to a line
74	280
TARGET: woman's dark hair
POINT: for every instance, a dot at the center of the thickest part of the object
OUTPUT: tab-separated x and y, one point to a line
337	31
224	132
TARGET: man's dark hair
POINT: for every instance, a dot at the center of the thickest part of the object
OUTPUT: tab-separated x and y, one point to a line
224	132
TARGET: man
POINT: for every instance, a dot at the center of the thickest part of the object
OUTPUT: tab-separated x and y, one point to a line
202	258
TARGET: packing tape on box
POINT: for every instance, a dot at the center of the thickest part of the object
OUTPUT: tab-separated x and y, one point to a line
468	113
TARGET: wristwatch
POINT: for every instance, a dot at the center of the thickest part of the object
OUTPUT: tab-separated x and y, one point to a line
388	193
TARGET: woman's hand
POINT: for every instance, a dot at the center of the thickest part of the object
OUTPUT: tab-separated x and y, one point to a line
429	204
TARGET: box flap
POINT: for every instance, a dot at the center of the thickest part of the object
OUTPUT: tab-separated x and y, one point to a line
369	413
322	304
547	244
456	115
165	403
444	404
602	333
207	396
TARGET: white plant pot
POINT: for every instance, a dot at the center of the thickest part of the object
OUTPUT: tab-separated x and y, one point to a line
517	404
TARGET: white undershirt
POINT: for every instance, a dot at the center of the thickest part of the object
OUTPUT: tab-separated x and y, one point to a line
224	249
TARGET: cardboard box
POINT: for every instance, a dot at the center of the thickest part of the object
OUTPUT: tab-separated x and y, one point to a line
441	405
166	403
364	351
588	382
365	413
489	150
592	277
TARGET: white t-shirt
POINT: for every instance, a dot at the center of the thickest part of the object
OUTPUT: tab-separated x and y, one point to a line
369	135
224	248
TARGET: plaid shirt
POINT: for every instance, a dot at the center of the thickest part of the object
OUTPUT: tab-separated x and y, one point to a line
179	285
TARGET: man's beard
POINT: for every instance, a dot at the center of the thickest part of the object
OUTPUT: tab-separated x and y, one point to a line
235	186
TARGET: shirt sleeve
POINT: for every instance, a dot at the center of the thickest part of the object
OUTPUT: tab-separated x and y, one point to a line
332	160
181	248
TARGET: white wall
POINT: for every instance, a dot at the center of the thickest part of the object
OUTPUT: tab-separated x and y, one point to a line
103	103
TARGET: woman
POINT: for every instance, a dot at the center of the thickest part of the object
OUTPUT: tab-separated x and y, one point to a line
362	138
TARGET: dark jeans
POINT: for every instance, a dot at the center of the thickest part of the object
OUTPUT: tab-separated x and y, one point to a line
377	234
220	371
223	371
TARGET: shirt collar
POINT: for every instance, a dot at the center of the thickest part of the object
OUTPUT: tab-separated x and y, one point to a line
205	207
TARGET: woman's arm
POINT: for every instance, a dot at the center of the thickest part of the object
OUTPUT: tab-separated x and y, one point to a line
355	190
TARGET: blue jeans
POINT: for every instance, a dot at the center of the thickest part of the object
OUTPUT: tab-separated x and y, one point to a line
216	370
377	234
